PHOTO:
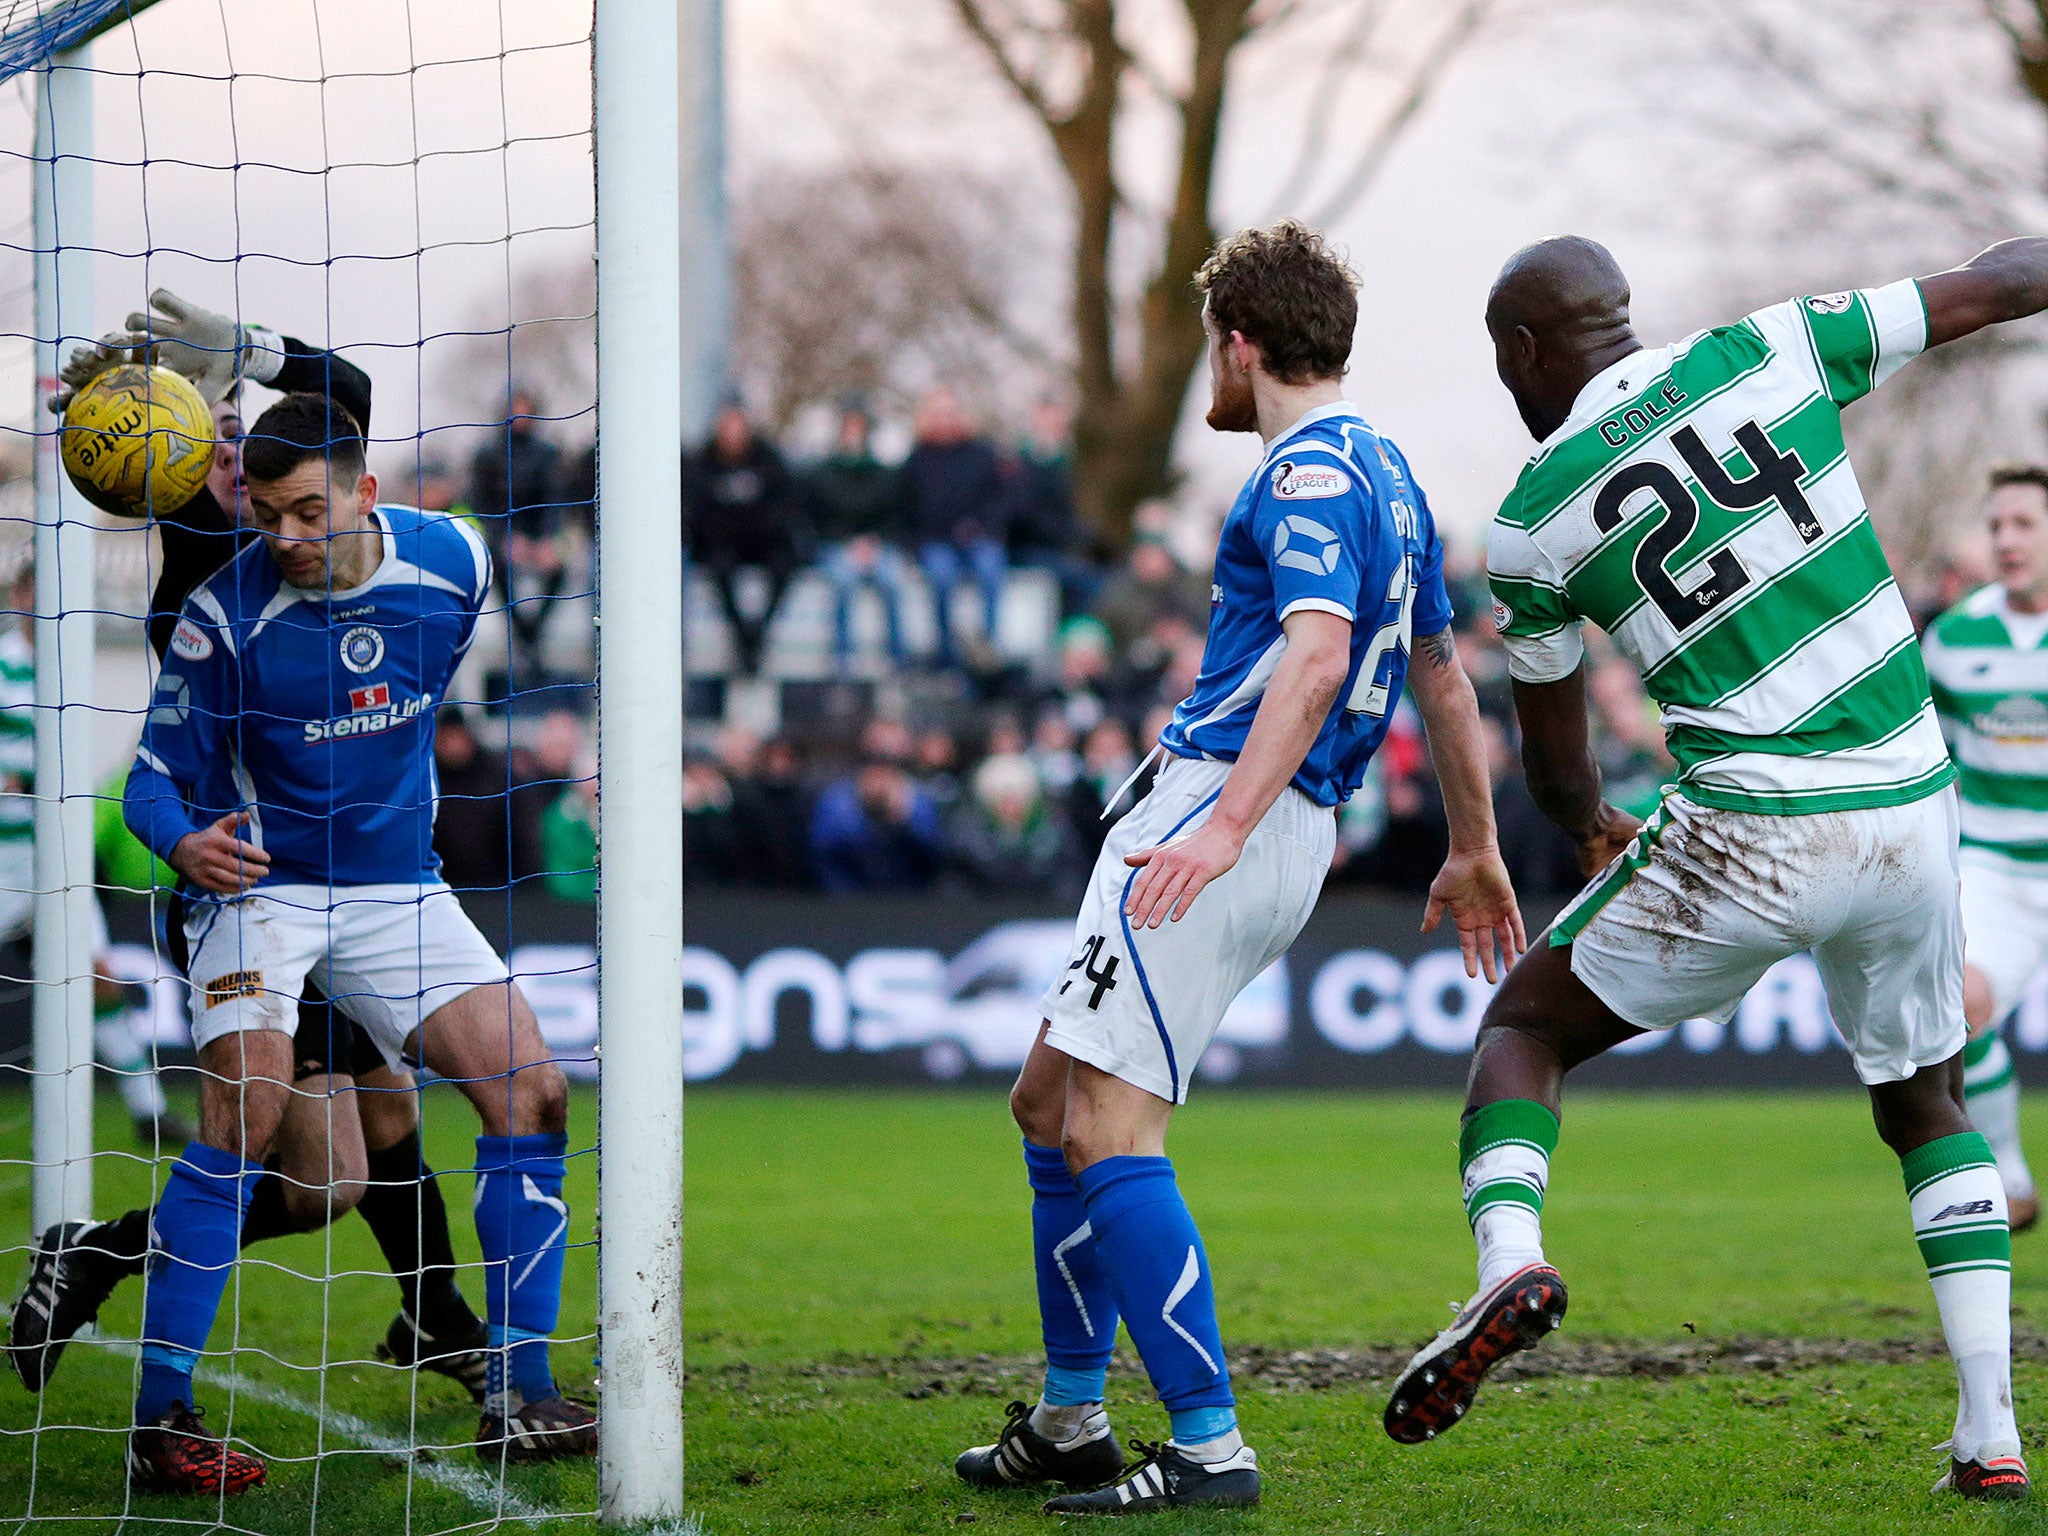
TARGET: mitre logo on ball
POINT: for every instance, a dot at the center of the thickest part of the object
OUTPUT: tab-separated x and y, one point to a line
137	441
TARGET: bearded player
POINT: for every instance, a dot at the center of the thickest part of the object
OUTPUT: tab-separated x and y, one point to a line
1696	502
1328	570
1990	674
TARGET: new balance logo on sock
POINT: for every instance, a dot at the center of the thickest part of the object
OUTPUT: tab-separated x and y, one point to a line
1972	1208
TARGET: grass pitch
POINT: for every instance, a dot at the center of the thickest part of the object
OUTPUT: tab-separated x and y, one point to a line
1752	1343
338	1429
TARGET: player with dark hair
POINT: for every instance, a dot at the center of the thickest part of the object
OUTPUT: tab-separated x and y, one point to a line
1329	570
1990	677
1697	503
336	1150
286	774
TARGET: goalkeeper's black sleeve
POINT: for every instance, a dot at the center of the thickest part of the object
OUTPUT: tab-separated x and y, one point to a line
199	538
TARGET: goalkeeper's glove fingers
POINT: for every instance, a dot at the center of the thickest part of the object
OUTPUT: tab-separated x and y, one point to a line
204	346
87	363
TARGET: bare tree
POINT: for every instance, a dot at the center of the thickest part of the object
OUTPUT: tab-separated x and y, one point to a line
882	279
1082	68
1822	144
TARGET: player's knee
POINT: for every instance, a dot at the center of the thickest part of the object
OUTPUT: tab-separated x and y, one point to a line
244	1125
313	1206
540	1100
1040	1115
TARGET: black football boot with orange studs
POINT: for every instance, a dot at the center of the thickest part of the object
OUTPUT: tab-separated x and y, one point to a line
1440	1383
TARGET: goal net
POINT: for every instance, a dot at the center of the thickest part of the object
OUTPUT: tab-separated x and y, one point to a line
300	982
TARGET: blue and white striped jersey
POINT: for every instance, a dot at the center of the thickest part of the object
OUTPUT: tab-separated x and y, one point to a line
1332	520
314	710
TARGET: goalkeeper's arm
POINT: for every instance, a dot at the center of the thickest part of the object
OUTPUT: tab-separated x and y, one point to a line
306	369
216	353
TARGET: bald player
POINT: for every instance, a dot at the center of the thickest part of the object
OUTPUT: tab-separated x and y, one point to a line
1696	502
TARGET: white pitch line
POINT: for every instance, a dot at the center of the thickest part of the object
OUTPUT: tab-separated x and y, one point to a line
474	1486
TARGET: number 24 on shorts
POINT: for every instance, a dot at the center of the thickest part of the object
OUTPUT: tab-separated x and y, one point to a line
1092	967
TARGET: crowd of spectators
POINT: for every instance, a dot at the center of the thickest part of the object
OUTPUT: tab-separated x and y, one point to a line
1010	786
958	508
1017	801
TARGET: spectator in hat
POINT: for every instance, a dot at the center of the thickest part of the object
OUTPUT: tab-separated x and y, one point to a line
472	821
1153	586
1010	838
857	509
514	485
771	810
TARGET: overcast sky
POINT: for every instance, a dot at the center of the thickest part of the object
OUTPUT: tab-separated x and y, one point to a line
454	140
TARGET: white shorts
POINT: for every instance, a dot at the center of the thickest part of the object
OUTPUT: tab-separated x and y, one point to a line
1143	1006
2005	923
387	955
1703	902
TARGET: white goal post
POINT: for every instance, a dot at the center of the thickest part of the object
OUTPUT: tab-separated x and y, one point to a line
640	753
62	1095
640	731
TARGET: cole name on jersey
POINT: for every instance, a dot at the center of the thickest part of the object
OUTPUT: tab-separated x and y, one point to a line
1698	504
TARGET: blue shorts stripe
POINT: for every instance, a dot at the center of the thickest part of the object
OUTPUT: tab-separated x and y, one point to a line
1131	944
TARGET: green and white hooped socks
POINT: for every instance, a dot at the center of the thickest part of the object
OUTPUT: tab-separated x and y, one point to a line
1960	1224
1504	1153
1991	1093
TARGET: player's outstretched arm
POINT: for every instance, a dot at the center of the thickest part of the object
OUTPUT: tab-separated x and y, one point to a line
1473	885
1296	703
1564	776
2007	282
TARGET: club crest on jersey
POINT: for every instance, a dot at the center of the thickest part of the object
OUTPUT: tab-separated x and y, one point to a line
361	649
1308	482
1831	303
190	642
376	696
1303	544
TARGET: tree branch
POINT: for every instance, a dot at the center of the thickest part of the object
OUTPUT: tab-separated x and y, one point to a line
1315	131
978	25
1422	83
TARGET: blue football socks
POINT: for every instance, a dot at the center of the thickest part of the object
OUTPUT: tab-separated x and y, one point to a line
522	1225
1148	1248
198	1225
1076	1308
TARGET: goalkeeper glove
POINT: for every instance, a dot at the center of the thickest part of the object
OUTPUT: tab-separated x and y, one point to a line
209	349
87	364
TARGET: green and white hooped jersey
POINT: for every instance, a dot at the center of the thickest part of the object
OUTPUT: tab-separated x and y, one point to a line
17	734
1698	505
1990	675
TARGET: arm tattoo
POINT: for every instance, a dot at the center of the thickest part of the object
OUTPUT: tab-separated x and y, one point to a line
1439	649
